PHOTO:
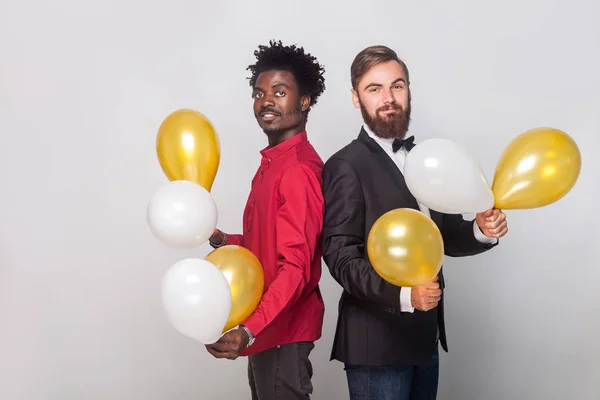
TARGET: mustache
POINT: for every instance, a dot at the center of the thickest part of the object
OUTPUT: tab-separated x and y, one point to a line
390	107
266	110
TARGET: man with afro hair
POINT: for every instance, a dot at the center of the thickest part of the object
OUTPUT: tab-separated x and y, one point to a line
282	226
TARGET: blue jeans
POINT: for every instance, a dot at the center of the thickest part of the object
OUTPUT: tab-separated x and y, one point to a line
394	382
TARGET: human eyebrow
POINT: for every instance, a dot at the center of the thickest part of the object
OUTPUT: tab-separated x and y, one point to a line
370	85
280	85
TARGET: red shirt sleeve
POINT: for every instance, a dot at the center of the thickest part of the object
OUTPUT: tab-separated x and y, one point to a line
232	239
299	223
235	240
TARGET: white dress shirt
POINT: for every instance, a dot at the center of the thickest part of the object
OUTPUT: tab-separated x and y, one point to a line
399	157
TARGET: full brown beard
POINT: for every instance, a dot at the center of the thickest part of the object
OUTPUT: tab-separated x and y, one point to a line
394	126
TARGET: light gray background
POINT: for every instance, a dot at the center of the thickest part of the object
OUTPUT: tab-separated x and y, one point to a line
84	86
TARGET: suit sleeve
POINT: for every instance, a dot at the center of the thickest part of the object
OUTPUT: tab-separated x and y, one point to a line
344	241
298	225
460	239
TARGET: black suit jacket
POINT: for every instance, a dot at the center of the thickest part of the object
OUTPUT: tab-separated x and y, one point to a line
361	183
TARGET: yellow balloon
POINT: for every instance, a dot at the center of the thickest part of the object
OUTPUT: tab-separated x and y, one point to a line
538	168
405	247
188	148
246	280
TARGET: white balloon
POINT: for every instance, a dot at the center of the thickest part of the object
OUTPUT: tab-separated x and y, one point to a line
182	214
442	175
197	299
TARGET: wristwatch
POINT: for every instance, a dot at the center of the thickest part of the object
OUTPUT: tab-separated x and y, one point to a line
250	336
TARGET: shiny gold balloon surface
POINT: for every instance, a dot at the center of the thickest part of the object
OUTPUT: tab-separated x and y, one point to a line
188	148
405	247
538	168
246	280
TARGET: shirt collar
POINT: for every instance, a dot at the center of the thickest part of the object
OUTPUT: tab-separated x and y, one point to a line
383	142
276	151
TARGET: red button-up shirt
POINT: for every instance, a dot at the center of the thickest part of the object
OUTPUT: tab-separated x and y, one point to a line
282	224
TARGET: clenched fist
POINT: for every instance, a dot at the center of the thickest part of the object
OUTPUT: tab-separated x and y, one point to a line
426	297
492	223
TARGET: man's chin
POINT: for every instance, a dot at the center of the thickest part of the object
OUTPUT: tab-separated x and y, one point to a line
272	131
267	127
390	131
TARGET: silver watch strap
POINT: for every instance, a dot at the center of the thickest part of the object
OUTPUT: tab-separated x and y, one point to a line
250	335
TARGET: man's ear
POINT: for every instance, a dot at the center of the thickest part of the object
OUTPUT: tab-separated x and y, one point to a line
355	98
305	103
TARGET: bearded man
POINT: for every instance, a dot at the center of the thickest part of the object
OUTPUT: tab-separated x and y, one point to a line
387	336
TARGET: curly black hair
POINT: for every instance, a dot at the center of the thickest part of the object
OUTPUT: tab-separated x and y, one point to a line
305	68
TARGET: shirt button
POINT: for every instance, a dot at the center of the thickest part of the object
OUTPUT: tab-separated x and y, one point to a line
253	201
262	172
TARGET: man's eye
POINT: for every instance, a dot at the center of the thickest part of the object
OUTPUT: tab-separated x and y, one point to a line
280	93
256	95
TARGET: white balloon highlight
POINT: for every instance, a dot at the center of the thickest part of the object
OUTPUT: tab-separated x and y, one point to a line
182	215
442	175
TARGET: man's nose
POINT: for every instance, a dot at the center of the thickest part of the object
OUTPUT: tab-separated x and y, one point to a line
268	100
387	96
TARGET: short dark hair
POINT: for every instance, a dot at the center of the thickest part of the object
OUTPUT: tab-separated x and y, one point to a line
370	57
305	68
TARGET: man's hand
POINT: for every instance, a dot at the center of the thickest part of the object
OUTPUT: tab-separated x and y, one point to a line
492	223
217	236
230	345
426	297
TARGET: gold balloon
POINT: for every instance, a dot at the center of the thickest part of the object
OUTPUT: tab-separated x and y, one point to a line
538	168
188	148
405	247
246	280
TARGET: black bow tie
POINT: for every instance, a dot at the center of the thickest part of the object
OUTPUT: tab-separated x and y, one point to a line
399	143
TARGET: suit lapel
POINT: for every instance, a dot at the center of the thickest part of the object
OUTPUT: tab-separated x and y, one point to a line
388	165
